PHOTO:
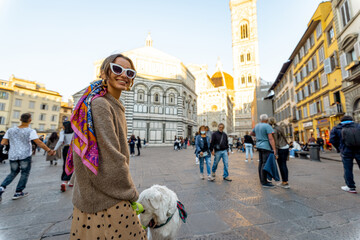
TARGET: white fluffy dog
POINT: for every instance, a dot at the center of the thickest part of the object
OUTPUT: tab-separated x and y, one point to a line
161	214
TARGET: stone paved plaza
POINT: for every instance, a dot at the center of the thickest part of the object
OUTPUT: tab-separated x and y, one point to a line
314	207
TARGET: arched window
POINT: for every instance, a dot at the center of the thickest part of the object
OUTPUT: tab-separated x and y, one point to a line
140	96
243	79
171	98
242	58
249	79
156	98
244	31
248	57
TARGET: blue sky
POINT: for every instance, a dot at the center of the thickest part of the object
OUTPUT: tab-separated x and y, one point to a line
57	42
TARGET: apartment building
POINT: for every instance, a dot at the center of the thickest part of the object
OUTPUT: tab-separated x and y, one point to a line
18	96
347	25
317	77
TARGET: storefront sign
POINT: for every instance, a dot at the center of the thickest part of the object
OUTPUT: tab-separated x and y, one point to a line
323	122
307	124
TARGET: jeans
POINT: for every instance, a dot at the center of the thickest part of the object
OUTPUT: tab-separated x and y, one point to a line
348	162
249	149
283	156
24	166
292	152
207	162
322	148
231	147
263	156
224	155
64	176
132	148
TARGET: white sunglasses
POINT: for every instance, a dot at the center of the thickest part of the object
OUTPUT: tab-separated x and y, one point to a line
118	70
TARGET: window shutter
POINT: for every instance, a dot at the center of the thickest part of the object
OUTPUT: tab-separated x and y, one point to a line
326	104
304	72
312	84
324	80
297	115
327	66
310	66
306	91
296	99
314	62
343	64
357	49
308	44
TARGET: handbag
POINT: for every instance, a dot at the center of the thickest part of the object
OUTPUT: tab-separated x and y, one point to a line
217	146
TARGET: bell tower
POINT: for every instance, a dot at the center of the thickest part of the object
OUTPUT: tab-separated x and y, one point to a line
245	60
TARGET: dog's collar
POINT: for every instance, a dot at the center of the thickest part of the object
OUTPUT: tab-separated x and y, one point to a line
167	221
182	213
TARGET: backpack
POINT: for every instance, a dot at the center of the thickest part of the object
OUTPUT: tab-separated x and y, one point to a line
351	136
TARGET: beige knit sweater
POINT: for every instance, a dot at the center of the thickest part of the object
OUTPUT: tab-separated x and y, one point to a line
113	183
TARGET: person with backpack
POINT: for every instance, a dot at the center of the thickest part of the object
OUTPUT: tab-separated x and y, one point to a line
320	142
345	137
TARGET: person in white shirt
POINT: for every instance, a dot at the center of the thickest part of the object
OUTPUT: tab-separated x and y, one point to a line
296	147
20	154
66	136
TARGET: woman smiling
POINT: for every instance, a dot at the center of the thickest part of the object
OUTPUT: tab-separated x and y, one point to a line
103	189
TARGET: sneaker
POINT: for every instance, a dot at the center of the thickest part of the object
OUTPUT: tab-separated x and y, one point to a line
70	185
227	179
210	178
2	190
284	185
55	163
246	160
202	177
19	195
291	156
268	185
63	187
347	189
213	174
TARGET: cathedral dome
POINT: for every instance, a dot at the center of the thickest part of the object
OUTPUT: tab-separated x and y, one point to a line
222	79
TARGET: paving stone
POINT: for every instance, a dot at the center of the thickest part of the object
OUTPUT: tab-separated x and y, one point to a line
205	223
314	207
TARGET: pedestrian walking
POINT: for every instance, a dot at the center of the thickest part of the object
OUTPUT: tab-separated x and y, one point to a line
265	145
208	132
219	147
320	142
186	142
345	137
231	143
132	142
20	154
66	136
103	189
312	139
249	144
138	145
202	144
282	149
51	143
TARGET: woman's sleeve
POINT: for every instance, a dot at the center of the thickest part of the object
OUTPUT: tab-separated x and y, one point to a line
113	171
60	142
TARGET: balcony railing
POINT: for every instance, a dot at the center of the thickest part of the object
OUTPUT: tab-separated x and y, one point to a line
335	109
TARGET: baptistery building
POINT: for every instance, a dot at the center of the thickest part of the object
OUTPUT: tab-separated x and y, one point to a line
162	103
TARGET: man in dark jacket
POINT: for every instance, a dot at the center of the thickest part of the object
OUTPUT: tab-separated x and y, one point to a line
348	150
220	149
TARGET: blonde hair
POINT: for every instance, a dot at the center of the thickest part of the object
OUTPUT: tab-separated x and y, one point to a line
272	121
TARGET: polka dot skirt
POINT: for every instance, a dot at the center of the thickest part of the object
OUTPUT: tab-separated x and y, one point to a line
117	222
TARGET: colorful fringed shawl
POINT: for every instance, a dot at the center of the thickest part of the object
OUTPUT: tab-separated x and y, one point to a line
84	141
